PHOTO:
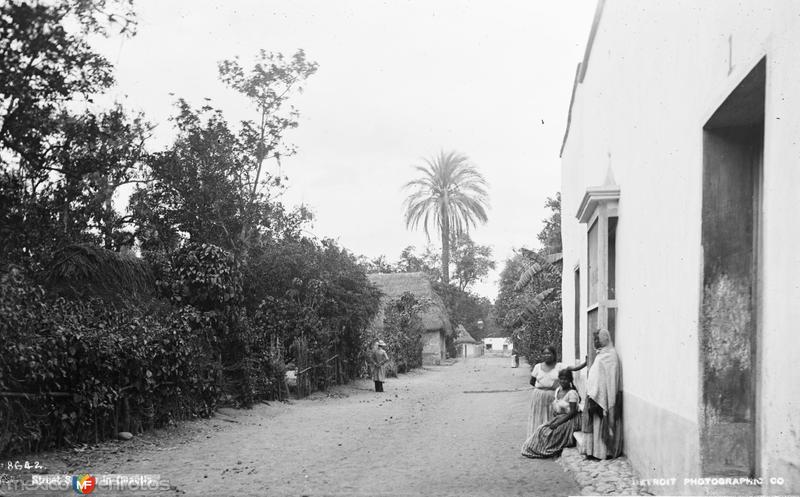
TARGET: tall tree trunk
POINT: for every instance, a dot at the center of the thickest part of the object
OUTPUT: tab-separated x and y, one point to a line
445	241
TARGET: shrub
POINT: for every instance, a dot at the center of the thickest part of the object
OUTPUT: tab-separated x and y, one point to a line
209	279
314	292
403	331
82	371
201	275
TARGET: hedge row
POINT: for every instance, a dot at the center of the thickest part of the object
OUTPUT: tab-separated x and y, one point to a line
84	360
76	371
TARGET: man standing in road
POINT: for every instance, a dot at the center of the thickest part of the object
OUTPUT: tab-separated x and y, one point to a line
378	359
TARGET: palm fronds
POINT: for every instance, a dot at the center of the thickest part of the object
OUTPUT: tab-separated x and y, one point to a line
531	307
535	264
527	276
449	190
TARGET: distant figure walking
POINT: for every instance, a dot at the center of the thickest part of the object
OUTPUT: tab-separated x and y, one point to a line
378	358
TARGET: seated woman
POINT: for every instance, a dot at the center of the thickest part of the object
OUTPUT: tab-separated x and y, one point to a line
544	379
550	438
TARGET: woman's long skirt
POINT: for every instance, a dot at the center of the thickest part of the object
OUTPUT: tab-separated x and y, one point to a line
541	409
549	442
597	441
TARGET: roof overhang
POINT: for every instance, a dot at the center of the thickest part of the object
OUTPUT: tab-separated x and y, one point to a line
595	196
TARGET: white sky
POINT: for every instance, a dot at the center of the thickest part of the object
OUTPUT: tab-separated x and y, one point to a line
397	81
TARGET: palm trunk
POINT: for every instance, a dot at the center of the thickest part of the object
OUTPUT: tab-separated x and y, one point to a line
445	243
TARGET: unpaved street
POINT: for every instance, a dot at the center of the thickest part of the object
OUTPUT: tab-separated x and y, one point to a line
443	430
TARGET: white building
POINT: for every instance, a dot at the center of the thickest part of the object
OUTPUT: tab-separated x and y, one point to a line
680	188
498	344
466	345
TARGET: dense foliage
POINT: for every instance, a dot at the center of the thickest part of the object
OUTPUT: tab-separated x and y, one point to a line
550	236
80	371
313	291
96	339
403	331
528	305
60	166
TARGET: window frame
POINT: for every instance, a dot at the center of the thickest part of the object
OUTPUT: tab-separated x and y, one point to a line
599	204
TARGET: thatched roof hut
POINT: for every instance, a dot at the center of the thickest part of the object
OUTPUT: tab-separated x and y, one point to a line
394	285
463	336
85	270
434	318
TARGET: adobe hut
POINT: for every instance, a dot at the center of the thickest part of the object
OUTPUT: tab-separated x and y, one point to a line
434	318
467	345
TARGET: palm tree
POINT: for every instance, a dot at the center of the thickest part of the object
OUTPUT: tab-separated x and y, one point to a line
451	195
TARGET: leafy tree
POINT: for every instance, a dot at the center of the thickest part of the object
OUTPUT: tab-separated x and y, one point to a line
550	236
528	305
472	261
450	195
194	188
428	262
59	169
210	185
465	308
96	155
315	292
268	85
200	189
530	314
44	66
378	264
411	263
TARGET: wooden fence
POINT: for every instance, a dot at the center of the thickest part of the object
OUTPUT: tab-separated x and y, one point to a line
321	376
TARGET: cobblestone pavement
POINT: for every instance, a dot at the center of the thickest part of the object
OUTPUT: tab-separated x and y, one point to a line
595	477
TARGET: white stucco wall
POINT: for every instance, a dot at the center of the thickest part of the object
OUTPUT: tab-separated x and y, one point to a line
433	347
656	73
497	344
471	349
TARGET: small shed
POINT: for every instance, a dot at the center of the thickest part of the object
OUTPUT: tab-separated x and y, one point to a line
467	345
434	318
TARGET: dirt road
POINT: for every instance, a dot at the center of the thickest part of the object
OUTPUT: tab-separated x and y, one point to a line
443	430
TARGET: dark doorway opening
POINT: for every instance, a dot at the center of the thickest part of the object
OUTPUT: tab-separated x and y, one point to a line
733	144
577	313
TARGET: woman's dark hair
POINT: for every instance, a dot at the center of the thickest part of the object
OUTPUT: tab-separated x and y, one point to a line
552	350
567	374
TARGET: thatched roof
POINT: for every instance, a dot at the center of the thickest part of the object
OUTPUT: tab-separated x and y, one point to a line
463	336
87	270
394	285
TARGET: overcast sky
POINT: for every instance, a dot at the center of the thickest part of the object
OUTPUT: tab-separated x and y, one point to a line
397	81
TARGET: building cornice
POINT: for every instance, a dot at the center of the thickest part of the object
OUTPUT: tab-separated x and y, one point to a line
593	197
